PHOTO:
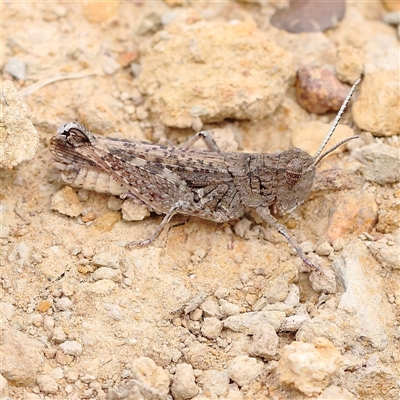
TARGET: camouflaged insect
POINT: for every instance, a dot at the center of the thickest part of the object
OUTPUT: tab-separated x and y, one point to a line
210	184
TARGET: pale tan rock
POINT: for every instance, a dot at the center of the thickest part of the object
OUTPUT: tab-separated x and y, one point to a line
211	327
213	382
184	385
381	52
389	216
47	384
248	322
18	137
199	356
364	298
391	5
132	211
106	221
310	135
145	370
103	286
380	163
357	31
351	214
265	342
331	325
3	385
276	287
107	273
363	309
386	251
309	367
32	396
66	202
100	11
21	357
185	72
377	108
314	48
244	370
349	64
334	393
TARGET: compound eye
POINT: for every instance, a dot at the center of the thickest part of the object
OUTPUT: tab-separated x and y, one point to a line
75	134
294	171
77	137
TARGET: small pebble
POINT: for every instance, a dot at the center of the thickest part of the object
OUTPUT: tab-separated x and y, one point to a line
211	308
109	65
106	259
247	322
380	163
215	383
115	311
196	314
16	68
184	385
66	202
132	211
338	244
265	342
90	216
136	69
293	323
71	347
58	335
48	323
221	293
72	376
391	18
324	249
6	310
211	327
127	282
228	308
293	297
129	109
63	304
47	384
36	319
107	273
242	227
325	282
4	231
141	113
87	378
244	370
57	373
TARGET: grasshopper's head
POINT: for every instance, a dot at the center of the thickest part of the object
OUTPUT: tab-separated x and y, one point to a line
75	135
65	145
296	168
296	171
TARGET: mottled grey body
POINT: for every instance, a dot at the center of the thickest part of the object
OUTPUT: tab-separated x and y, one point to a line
210	184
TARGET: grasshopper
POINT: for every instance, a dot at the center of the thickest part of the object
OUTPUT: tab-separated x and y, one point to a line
210	184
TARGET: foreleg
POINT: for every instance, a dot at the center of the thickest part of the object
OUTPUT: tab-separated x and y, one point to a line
266	215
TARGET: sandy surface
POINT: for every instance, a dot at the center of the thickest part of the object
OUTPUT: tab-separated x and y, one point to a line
88	310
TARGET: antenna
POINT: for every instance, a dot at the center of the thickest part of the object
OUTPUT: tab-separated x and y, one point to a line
317	157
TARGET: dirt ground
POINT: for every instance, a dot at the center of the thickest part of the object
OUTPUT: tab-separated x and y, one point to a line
208	310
